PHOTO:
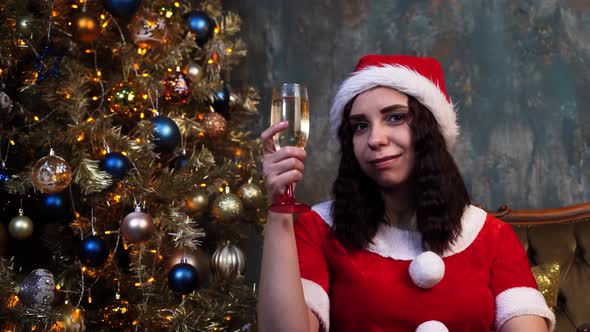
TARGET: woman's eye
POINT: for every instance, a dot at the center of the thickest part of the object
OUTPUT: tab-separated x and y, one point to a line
397	118
359	126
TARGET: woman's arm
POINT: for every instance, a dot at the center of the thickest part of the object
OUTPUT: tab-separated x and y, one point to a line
281	303
525	323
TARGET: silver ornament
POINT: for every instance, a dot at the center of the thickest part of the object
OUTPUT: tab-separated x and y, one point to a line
21	226
137	227
37	289
5	102
194	71
228	262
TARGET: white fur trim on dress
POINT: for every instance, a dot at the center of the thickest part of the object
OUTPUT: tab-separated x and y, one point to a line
404	80
522	301
402	244
317	301
432	326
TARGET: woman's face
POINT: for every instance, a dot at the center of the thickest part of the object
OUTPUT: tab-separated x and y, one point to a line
382	137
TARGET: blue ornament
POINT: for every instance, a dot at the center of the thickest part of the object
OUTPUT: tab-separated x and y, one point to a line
93	251
42	58
114	163
179	162
201	24
183	278
5	175
166	133
221	101
55	205
122	8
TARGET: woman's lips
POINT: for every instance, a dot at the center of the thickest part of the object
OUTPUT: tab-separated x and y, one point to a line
385	161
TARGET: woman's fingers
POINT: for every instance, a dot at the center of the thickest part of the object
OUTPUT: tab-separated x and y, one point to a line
267	135
276	184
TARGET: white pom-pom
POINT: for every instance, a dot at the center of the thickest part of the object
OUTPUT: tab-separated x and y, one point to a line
432	326
427	270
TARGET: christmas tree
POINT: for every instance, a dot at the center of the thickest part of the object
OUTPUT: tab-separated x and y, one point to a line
128	167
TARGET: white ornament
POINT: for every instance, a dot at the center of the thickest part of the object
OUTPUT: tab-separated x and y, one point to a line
427	270
432	326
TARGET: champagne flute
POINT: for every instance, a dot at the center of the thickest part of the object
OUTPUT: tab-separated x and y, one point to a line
289	103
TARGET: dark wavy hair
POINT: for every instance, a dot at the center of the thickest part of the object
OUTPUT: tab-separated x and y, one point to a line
439	194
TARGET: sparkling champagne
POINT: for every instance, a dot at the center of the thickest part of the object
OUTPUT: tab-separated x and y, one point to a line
294	109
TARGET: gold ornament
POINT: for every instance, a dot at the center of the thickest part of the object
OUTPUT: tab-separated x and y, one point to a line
21	226
125	100
547	277
214	124
227	207
228	262
51	174
137	227
85	28
251	195
148	30
197	202
195	257
177	88
119	315
194	71
72	319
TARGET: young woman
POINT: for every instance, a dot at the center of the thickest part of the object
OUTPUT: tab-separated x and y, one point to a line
400	247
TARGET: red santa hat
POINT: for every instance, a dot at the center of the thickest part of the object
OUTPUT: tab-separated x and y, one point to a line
421	78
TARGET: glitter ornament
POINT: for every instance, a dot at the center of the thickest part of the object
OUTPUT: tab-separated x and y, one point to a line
214	124
51	174
37	289
251	195
177	88
124	99
227	207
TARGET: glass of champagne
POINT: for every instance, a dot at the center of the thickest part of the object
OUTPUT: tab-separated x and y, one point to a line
289	103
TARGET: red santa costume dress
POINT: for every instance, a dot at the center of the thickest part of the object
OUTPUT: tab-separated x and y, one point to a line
477	285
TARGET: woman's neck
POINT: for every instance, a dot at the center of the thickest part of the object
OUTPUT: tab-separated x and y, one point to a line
400	207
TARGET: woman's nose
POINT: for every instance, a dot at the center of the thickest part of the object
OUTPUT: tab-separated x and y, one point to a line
377	137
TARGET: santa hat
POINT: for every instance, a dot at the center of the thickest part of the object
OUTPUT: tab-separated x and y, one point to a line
421	78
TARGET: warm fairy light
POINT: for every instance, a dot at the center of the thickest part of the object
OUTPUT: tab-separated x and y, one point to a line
176	4
169	318
229	50
124	153
108	232
238	152
105	24
90	119
58	287
160	257
1	71
210	61
76	214
138	140
154	251
201	134
220	190
169	14
216	30
21	42
137	284
36	118
141	51
203	185
145	75
228	318
94	98
134	323
75	6
169	70
54	13
89	299
80	137
88	51
12	142
84	268
12	301
141	115
152	279
98	73
102	17
117	198
201	116
240	165
103	152
69	23
68	95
